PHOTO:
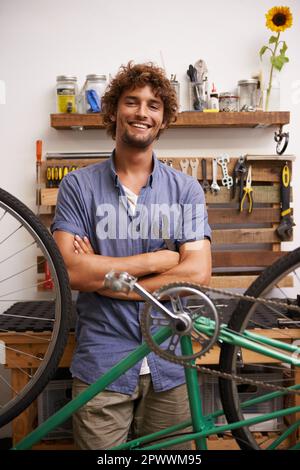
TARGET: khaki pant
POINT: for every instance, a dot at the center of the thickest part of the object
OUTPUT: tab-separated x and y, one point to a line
106	420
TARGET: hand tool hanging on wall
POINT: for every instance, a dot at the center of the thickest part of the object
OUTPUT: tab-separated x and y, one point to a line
194	166
226	180
239	174
248	190
205	183
285	228
214	187
39	144
49	177
184	165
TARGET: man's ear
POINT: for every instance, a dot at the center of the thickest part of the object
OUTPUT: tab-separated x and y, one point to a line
163	125
113	118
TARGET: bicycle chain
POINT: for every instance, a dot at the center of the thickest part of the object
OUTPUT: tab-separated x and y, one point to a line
215	373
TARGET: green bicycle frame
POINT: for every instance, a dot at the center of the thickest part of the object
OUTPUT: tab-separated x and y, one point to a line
202	426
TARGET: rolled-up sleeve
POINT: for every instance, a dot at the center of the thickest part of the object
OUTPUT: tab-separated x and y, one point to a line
70	210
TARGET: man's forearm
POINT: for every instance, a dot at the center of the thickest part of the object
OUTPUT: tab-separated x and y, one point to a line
188	270
87	272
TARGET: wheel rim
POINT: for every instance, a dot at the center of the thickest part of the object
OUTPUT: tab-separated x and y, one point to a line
249	315
35	353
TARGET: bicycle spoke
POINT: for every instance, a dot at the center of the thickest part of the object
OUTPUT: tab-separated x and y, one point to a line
10	235
27	335
26	316
32	244
33	286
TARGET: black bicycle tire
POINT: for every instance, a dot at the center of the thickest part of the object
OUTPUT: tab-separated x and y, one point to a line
228	392
66	304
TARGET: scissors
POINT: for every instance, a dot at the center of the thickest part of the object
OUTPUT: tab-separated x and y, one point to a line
248	192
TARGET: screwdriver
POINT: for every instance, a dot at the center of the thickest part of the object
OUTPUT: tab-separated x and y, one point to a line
38	173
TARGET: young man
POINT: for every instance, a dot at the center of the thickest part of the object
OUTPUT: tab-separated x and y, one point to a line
105	221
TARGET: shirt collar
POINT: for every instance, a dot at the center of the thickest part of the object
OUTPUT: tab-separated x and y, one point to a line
152	177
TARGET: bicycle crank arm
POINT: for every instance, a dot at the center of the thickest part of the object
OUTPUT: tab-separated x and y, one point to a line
124	282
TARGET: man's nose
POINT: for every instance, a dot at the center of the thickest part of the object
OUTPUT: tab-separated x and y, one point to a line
141	110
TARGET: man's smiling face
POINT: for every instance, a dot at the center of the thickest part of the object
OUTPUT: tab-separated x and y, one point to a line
139	117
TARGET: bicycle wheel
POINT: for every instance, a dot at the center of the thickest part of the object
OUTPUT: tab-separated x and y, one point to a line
34	321
279	281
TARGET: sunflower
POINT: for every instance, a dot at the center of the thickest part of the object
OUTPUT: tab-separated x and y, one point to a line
279	19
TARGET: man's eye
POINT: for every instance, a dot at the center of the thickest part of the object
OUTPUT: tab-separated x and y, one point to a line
154	106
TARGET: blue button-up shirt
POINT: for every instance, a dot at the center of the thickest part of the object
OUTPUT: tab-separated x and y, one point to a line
92	202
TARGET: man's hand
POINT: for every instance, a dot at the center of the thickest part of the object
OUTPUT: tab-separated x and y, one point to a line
82	246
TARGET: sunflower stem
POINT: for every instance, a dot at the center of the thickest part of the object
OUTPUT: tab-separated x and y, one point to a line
271	71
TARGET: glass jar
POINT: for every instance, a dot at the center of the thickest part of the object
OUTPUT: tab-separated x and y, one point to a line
228	102
247	91
66	92
94	88
197	96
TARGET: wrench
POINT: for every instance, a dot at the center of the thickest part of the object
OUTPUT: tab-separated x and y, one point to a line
226	180
205	183
214	187
184	165
194	165
168	162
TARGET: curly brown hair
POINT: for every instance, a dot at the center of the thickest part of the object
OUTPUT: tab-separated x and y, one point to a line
132	76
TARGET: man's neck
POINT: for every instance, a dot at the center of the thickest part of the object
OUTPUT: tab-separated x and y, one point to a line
133	161
133	167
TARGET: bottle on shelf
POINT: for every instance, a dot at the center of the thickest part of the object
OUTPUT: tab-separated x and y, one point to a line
93	91
66	94
214	99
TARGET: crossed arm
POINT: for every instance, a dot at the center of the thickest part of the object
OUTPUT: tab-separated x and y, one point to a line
87	270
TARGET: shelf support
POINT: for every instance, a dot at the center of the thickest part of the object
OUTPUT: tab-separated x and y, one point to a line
282	139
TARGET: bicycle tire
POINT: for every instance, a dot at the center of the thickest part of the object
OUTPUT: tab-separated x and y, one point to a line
20	213
239	320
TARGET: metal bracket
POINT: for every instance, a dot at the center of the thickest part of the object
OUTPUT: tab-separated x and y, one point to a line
282	139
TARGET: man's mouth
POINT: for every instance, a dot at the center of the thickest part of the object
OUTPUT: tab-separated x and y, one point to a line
140	125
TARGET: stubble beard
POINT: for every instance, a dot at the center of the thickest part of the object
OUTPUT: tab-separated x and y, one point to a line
138	143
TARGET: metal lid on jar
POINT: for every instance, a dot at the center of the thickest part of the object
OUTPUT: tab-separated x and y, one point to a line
250	81
227	94
94	76
66	78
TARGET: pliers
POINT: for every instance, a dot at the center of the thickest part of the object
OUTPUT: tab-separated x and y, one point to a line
248	192
239	173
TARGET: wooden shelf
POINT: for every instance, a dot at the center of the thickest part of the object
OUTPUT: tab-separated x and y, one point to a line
192	119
